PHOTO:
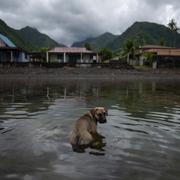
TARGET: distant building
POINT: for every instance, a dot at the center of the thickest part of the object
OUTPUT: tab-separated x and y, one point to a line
162	56
9	52
71	55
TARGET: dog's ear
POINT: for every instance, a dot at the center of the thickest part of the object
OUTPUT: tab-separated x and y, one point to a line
106	111
93	111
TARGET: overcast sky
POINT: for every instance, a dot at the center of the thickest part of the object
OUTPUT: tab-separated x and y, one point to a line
72	20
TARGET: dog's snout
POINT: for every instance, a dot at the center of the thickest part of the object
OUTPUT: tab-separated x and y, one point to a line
103	120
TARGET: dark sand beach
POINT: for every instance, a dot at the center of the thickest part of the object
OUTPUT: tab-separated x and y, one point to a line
26	73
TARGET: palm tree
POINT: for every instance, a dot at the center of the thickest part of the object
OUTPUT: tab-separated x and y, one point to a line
129	49
174	29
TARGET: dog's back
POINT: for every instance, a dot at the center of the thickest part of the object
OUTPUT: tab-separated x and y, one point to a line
81	132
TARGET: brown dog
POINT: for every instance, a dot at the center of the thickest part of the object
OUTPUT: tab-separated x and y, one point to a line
85	129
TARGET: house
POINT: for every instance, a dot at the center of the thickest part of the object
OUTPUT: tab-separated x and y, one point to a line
159	56
71	55
9	52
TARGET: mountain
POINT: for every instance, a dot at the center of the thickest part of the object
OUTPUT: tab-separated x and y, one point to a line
146	33
27	38
39	40
97	42
143	32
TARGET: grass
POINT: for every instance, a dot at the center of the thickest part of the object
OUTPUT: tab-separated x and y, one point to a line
142	68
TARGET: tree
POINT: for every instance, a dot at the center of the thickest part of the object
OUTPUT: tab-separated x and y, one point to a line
106	54
129	49
43	53
174	29
173	25
88	46
149	55
162	42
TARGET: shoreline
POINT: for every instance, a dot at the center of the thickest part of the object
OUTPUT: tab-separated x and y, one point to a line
20	73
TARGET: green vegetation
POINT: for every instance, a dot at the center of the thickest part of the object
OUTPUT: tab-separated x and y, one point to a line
106	54
149	55
162	41
28	38
43	53
143	68
129	49
174	29
88	46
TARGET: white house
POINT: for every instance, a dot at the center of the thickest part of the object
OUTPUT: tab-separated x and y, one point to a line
71	55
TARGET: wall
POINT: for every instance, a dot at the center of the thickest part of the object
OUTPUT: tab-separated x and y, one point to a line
53	58
5	56
87	58
58	57
23	57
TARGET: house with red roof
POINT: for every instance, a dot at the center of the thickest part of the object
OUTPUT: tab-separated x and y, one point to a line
159	56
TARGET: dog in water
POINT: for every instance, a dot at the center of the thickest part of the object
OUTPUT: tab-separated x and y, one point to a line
85	128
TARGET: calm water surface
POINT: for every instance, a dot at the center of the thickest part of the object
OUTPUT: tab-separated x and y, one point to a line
142	133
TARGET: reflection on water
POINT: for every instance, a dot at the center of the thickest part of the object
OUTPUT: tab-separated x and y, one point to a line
142	132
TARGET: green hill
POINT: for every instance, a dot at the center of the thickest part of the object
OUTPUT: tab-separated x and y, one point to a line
143	32
146	33
27	38
98	42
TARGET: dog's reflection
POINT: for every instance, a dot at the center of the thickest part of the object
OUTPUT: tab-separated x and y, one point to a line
96	146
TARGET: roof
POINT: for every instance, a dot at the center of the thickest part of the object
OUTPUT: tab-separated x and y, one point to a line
2	44
161	51
8	42
154	46
165	52
9	49
70	50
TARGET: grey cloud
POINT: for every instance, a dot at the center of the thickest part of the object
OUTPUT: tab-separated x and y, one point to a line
8	4
72	20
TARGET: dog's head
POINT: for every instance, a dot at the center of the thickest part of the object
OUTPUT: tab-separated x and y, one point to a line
99	113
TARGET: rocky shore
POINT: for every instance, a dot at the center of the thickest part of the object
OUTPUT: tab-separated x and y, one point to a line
86	73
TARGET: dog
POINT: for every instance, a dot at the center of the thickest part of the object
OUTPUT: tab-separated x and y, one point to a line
85	128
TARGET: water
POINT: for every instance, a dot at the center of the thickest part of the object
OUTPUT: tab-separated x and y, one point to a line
142	132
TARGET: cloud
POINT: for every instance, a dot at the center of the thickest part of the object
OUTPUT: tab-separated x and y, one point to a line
72	20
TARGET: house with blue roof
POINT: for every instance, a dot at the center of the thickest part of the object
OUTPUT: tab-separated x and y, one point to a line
9	52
